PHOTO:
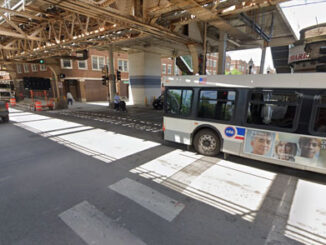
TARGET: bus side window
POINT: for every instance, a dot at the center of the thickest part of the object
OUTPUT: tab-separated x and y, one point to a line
186	102
179	101
216	104
320	119
273	109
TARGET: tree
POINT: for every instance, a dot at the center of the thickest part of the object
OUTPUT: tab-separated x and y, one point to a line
234	72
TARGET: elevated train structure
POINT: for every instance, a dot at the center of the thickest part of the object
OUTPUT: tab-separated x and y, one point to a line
31	30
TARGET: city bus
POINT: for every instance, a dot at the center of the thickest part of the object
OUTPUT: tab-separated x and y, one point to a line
279	119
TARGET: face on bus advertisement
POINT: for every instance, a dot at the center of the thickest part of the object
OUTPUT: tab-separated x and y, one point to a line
259	142
310	151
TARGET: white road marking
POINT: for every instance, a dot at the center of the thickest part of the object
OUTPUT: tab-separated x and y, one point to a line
104	145
147	197
95	228
307	218
167	165
234	188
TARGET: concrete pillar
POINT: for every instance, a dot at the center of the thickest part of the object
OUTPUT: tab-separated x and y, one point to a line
82	90
221	53
145	77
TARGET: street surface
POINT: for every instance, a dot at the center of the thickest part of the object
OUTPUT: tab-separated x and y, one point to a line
96	176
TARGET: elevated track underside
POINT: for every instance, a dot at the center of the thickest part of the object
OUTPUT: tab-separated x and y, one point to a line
34	29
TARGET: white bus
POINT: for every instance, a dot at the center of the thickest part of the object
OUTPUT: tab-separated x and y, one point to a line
279	119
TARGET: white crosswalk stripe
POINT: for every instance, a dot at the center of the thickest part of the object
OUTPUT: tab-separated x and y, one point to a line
150	199
234	188
104	145
95	228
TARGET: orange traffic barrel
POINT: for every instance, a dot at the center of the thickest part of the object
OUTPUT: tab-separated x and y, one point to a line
38	106
12	101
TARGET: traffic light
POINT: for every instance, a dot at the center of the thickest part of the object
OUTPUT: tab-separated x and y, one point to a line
105	70
119	75
41	61
104	79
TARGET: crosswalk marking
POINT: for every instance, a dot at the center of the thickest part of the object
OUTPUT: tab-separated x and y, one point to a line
162	168
96	228
104	145
147	197
234	188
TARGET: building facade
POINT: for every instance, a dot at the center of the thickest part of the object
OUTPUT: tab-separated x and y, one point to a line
83	78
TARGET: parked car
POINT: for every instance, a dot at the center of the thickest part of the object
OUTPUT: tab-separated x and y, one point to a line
4	111
159	102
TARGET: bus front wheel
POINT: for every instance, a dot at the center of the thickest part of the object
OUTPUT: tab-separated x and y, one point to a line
207	143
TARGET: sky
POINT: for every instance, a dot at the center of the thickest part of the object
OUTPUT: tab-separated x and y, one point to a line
300	14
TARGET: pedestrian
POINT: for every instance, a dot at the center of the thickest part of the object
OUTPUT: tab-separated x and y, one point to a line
116	101
70	99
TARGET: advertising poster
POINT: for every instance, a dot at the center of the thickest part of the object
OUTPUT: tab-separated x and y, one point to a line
305	150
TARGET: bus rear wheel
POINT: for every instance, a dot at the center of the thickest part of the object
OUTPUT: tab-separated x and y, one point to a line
207	143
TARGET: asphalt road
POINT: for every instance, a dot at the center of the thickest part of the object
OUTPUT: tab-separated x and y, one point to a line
66	179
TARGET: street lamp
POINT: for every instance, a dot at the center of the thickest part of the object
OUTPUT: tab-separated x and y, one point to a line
251	64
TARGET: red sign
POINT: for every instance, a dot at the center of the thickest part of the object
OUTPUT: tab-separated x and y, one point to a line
297	53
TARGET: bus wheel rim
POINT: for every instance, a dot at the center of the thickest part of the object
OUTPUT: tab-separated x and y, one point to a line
207	142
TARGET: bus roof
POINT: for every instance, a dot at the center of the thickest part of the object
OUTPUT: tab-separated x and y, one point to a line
297	80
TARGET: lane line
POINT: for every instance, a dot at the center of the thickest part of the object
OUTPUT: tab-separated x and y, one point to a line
95	228
154	201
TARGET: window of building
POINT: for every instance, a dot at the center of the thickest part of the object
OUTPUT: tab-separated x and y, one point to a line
164	69
101	62
169	69
123	65
179	101
66	64
214	63
98	62
319	124
19	68
26	68
34	68
273	108
42	67
217	104
82	64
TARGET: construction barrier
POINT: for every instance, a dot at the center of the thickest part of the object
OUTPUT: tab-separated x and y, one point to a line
12	101
38	106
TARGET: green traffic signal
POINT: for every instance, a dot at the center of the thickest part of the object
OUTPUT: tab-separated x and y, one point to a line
41	61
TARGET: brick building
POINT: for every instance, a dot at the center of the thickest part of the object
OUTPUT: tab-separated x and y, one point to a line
169	68
240	65
211	63
83	78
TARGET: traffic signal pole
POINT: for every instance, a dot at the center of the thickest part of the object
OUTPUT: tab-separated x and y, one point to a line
112	91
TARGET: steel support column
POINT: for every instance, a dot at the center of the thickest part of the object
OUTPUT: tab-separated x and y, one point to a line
262	61
221	53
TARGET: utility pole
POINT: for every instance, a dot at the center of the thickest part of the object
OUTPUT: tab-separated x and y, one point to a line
112	90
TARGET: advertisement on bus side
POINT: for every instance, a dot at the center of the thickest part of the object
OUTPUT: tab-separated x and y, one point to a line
306	150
